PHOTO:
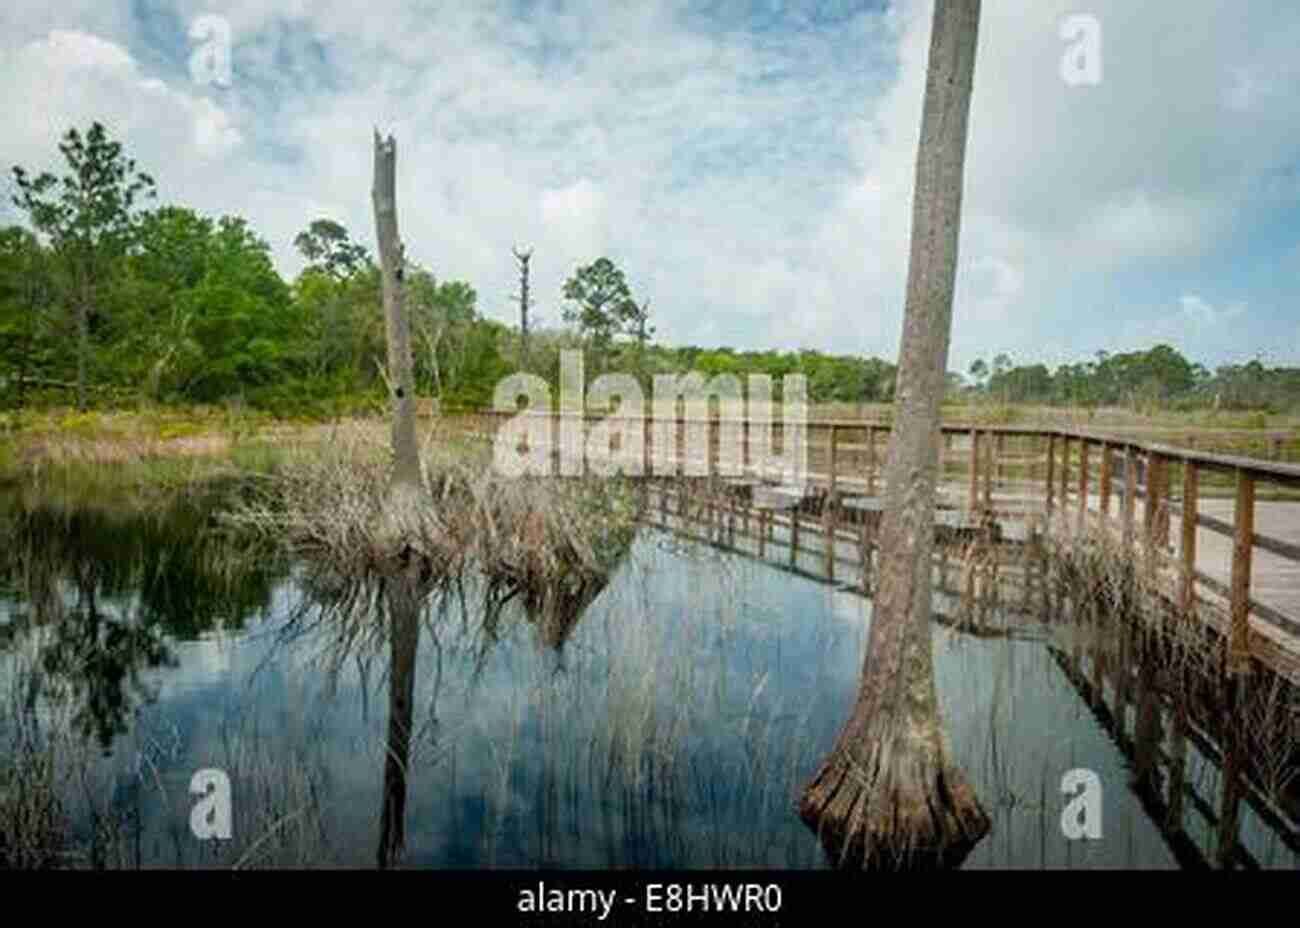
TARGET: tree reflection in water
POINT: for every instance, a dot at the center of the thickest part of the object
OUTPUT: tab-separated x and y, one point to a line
99	592
362	617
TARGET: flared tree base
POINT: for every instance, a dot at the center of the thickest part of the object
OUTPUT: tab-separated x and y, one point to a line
905	820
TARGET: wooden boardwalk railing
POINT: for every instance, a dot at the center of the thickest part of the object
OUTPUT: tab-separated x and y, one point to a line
1220	561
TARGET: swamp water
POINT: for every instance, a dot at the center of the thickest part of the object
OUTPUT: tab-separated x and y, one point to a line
669	724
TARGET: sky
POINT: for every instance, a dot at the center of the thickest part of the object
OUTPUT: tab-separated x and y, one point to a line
748	163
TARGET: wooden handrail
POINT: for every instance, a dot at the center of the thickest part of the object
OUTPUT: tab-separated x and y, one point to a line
1271	471
1067	487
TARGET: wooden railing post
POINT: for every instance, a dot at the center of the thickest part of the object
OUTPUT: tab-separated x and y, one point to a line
1161	482
990	442
871	460
834	457
713	456
867	541
943	441
744	447
1242	550
1187	545
1083	485
1051	469
647	446
1105	490
999	452
1130	495
831	506
1149	515
974	495
1065	473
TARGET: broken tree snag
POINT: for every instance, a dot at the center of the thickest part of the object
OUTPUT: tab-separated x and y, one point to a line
523	257
401	374
888	796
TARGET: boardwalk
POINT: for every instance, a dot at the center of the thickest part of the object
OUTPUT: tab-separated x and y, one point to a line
1242	578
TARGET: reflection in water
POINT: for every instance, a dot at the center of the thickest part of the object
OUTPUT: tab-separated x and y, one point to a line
101	592
403	601
699	689
555	610
363	615
1211	758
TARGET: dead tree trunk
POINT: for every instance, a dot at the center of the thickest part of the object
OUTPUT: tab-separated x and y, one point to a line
888	796
404	506
523	258
401	374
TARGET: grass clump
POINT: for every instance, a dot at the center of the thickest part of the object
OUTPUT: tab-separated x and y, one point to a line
333	507
32	822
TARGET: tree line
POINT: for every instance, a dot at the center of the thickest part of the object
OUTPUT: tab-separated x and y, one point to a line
108	299
1158	378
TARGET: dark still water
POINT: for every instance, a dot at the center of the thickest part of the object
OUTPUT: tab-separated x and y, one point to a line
670	723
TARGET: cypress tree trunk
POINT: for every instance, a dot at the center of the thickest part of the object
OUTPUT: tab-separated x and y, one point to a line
888	796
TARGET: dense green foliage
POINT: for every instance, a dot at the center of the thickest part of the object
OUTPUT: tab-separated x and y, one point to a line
170	306
89	218
1159	378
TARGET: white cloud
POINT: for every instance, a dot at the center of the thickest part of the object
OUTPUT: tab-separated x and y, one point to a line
1202	316
71	79
755	186
1137	227
78	51
576	215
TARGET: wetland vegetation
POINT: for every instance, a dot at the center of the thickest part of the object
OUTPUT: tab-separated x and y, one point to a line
662	714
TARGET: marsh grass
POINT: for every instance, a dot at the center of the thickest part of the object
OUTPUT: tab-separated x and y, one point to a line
1102	585
33	823
1108	608
332	507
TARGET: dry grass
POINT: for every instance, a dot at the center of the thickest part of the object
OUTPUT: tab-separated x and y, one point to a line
1106	593
1113	608
61	451
32	820
334	507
